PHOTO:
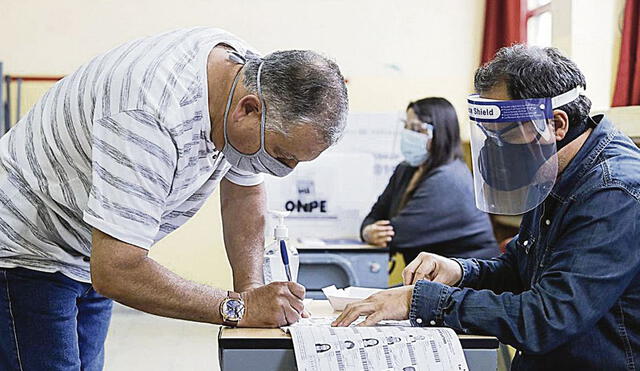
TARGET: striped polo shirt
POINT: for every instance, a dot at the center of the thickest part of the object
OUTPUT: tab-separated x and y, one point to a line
122	145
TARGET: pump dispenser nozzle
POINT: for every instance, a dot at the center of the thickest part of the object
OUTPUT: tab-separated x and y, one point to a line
281	230
281	260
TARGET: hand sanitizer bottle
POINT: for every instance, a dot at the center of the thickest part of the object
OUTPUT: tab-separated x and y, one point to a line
280	256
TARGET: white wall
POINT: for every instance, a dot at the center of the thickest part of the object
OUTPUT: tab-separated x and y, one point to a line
390	51
589	32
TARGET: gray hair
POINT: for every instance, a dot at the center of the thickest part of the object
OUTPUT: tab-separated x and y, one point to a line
300	87
534	72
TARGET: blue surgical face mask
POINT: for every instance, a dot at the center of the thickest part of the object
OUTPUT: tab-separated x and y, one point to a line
260	161
494	167
413	146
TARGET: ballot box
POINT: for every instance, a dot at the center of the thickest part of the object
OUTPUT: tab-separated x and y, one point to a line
341	262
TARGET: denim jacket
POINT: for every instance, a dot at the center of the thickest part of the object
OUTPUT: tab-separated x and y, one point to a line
566	293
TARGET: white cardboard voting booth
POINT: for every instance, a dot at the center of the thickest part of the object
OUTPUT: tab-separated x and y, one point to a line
329	197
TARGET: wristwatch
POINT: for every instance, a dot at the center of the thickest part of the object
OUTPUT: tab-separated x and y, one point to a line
232	309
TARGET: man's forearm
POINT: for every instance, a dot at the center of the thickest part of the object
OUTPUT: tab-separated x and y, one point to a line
157	290
243	220
140	282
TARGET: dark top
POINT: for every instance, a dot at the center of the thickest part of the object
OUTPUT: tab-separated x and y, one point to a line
441	216
567	291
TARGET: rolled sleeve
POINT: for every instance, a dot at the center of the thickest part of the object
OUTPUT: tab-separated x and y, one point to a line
498	274
428	303
470	271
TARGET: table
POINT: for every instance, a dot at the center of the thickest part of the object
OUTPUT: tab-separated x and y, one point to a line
272	349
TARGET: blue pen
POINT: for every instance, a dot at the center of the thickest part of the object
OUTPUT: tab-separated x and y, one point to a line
285	259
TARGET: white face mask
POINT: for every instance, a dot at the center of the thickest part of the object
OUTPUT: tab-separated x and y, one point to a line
260	161
413	146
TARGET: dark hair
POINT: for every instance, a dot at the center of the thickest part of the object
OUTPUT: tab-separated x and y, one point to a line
445	144
534	72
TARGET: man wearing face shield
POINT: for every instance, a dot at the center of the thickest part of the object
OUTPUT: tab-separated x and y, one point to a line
566	293
125	150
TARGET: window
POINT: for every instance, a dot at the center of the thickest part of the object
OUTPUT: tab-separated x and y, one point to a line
538	20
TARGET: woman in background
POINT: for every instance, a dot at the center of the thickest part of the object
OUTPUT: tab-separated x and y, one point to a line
428	204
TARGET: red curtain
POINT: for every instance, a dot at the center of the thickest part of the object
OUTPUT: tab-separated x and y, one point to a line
504	25
627	91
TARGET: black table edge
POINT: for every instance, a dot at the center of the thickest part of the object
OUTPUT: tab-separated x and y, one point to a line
285	343
352	250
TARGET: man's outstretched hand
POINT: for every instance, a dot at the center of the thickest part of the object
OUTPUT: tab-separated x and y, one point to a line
392	304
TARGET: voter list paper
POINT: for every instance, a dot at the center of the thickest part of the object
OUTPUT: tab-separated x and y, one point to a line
325	348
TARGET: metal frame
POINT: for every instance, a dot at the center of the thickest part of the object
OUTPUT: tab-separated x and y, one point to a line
18	98
5	105
2	108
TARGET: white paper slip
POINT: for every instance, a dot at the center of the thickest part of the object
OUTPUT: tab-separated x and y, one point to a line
321	348
327	320
339	298
307	302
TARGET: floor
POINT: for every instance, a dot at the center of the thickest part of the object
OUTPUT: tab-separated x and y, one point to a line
140	341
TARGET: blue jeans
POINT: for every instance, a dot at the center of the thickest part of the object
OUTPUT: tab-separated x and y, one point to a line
50	322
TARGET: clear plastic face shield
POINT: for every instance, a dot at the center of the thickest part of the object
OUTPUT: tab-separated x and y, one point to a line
513	147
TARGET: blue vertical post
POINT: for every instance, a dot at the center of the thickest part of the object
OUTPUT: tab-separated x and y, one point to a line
1	104
18	99
7	105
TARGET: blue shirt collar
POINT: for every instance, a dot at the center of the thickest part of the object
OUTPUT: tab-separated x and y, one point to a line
585	158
